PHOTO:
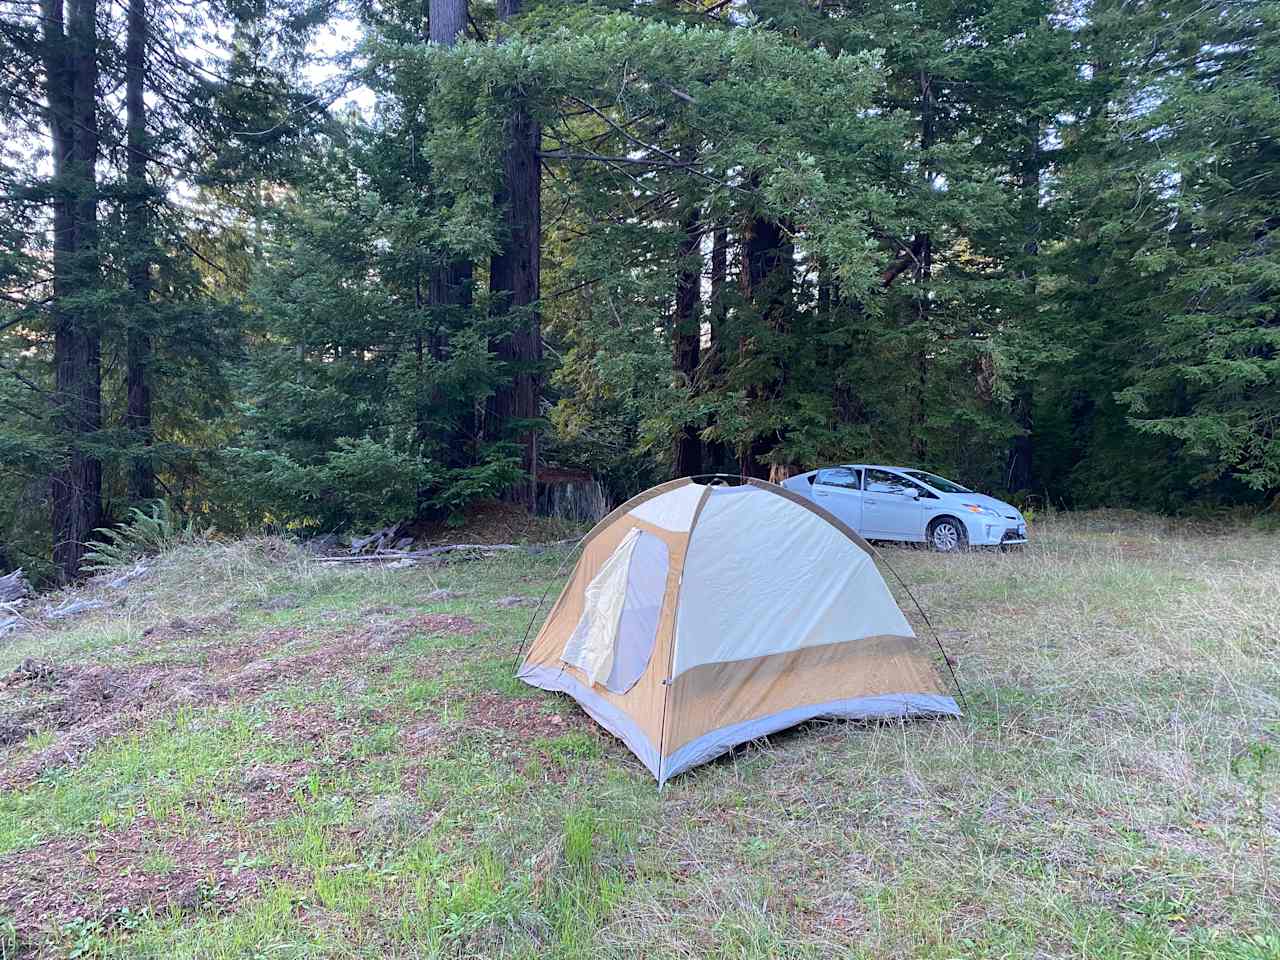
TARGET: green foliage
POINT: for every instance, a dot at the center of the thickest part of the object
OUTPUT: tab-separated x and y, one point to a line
1166	275
1030	247
360	483
147	532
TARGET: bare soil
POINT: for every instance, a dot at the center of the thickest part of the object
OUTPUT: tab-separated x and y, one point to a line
83	704
44	888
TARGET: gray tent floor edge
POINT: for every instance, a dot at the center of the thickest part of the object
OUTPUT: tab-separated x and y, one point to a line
600	710
716	742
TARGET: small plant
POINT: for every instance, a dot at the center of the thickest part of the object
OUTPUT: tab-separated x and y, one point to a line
145	533
1254	766
8	939
84	937
579	838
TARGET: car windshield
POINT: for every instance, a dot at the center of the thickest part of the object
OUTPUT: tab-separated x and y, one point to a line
937	482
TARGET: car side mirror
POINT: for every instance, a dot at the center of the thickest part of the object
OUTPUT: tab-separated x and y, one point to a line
912	493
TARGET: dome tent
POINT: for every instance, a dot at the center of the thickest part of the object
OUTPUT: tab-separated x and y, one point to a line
702	616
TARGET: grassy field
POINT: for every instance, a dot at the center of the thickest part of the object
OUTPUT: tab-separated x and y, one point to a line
248	754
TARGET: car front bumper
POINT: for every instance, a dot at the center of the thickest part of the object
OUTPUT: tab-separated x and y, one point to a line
990	532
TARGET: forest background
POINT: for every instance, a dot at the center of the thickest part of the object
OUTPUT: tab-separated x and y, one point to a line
277	281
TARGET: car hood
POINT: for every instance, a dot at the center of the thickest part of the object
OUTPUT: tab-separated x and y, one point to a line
982	500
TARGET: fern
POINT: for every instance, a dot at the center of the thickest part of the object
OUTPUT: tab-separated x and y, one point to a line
145	533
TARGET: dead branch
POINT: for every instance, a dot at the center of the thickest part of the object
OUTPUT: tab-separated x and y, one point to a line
909	257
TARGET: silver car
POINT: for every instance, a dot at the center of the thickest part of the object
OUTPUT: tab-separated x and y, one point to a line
900	503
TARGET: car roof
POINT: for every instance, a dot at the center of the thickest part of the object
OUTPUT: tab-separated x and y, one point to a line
859	466
872	466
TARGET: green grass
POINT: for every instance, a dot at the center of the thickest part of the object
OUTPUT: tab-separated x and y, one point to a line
1110	792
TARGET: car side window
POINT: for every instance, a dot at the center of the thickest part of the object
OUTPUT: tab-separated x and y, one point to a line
881	481
839	477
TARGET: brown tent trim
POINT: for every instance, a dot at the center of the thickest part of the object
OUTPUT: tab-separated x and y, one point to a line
634	502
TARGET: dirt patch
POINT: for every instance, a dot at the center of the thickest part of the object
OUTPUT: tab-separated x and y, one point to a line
383	635
85	704
183	628
97	882
269	790
525	717
440	623
311	724
510	727
247	673
66	695
285	601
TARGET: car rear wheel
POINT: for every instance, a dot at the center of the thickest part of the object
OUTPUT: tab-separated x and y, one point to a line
947	535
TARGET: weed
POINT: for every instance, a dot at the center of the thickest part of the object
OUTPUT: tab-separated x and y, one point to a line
1256	766
569	748
8	939
146	532
579	838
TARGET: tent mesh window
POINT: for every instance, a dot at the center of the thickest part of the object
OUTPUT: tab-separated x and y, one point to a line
619	626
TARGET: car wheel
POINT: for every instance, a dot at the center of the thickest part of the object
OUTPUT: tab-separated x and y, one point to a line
947	536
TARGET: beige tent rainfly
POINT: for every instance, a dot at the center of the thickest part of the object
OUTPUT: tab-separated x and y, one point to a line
703	616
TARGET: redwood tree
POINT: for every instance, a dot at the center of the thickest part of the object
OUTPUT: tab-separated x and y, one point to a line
687	339
138	346
514	282
70	52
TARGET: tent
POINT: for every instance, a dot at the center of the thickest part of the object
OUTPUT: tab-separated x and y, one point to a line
702	616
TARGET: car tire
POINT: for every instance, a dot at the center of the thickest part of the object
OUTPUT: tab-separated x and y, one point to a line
947	536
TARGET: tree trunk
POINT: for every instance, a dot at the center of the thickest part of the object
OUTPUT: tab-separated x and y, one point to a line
1018	472
514	277
446	19
449	285
138	346
767	278
923	268
714	452
71	72
687	340
1018	476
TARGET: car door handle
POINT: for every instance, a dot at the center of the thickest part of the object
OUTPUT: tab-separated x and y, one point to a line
872	502
821	493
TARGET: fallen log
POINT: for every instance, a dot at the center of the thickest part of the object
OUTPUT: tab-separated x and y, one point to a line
141	570
71	608
389	556
379	539
14	586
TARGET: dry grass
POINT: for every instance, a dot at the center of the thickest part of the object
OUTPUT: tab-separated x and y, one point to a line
322	762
